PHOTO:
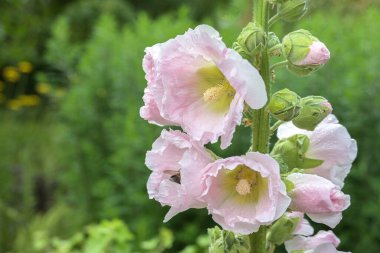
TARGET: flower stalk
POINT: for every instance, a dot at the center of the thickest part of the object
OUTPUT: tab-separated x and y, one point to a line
261	128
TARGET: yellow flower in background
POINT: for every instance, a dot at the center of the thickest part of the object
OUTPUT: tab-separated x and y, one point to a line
14	104
2	86
11	74
43	88
25	67
29	100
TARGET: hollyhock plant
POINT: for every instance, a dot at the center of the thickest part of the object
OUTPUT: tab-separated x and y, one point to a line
322	242
244	192
320	199
329	142
199	85
196	82
176	163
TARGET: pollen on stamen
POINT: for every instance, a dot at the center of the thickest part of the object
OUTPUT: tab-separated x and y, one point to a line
212	94
243	187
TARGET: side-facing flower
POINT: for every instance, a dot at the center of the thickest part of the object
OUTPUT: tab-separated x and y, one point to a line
320	199
244	192
196	82
177	163
322	242
329	142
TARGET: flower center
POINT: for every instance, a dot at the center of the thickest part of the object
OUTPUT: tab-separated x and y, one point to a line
215	89
243	187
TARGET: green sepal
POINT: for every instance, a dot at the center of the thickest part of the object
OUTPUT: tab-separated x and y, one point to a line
288	184
284	105
313	110
282	230
250	41
303	70
293	150
222	241
292	10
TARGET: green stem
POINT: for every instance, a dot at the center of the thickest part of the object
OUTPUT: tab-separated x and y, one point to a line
278	64
273	19
260	129
275	126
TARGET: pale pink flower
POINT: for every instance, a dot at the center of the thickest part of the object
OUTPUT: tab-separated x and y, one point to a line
177	163
322	242
303	227
329	142
320	199
196	82
318	55
244	192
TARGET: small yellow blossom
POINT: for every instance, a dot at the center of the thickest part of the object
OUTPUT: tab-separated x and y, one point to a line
43	88
25	67
14	104
11	74
29	100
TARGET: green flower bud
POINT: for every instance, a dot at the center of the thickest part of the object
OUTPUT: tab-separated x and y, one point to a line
282	230
250	40
292	10
284	105
224	241
313	110
304	52
293	150
296	45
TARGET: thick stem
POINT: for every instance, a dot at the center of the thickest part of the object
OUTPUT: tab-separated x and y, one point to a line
260	129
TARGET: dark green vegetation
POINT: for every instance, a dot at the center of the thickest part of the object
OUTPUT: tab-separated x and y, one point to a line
74	161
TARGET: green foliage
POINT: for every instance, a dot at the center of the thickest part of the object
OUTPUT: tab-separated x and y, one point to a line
29	163
105	138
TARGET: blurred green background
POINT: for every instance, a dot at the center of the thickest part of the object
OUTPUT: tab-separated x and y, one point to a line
72	144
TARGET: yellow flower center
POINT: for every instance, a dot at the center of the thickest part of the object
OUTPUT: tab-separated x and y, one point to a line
215	89
246	185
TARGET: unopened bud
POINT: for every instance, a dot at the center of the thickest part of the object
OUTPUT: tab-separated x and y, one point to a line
292	10
284	105
313	110
250	40
293	150
304	52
